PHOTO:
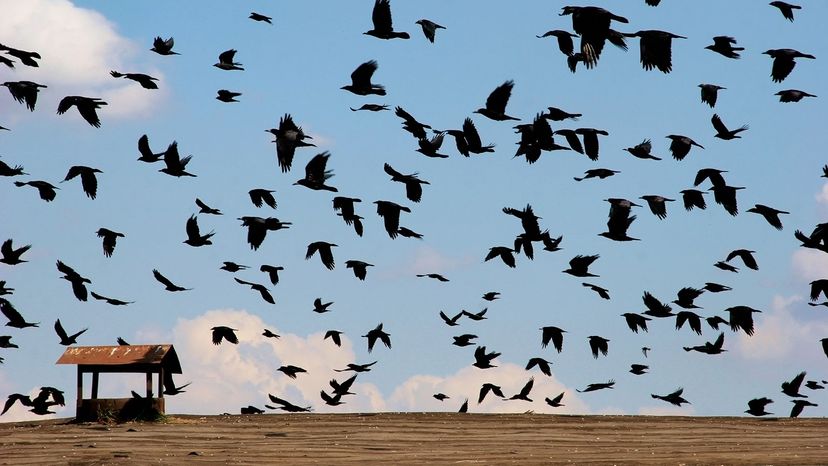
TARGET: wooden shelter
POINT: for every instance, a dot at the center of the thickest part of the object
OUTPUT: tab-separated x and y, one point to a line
147	359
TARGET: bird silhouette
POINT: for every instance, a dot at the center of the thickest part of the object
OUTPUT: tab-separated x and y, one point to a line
221	332
746	256
656	49
109	238
435	276
597	386
482	359
799	405
335	337
383	28
693	198
289	137
477	316
175	165
194	236
692	319
657	205
163	47
16	319
6	170
602	292
709	348
686	296
260	18
169	286
226	61
555	402
495	108
45	190
227	96
325	254
792	95
86	107
110	301
783	62
5	342
272	272
593	25
451	321
429	28
360	268
370	108
27	58
541	364
287	406
579	266
787	11
524	392
674	398
716	287
260	197
636	321
598	344
361	80
553	334
722	132
147	155
770	214
680	146
232	267
504	253
792	388
741	317
564	39
724	45
597	173
24	92
638	369
756	406
257	228
655	307
726	197
487	388
464	340
258	287
710	93
431	147
146	81
10	254
715	321
66	339
78	282
642	150
491	295
316	174
390	213
440	396
357	367
413	184
377	333
410	124
269	334
291	370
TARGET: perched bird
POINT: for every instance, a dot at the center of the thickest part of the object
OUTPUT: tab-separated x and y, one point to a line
756	406
361	80
435	276
175	165
482	359
657	205
258	287
390	213
289	137
194	236
227	96
505	254
110	301
635	321
724	45
598	344
597	386
377	333
770	214
495	108
221	332
656	49
24	92
709	348
45	190
291	370
555	402
429	28
642	150
86	107
316	174
799	405
383	28
741	317
258	227
11	255
792	388
564	38
259	17
262	196
272	272
792	95
413	184
109	239
77	281
335	336
579	266
602	292
360	268
66	339
169	286
524	392
489	387
593	25
787	11
226	61
680	146
783	62
638	369
325	254
163	47
746	256
722	132
674	398
146	81
542	364
16	320
709	93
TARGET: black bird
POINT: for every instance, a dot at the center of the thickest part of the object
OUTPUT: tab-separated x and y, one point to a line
258	227
656	49
642	150
345	206
147	155
597	344
11	256
429	28
556	114
597	386
109	238
377	333
506	255
741	317
655	307
335	336
528	220
686	296
726	267
411	124
564	38
390	213
680	146
799	405
40	405
287	406
486	388
3	289
272	272
722	132
715	321
482	359
709	93
491	295
524	392
441	396
579	266
329	400
783	62
413	184
756	406
66	339
110	301
715	287
291	370
597	173
824	342
259	17
288	138
169	286
814	385
146	81
194	236
5	342
163	47
383	28
464	408
360	268
6	170
226	61
205	209
746	256
25	57
674	398
638	369
818	287
86	107
24	92
325	253
16	320
787	11
227	96
250	409
316	175
88	179
451	321
169	385
553	334
593	25
464	340
602	292
692	319
431	147
435	276
657	205
221	332
370	108
262	196
555	402
590	136
726	197
770	214
693	198
77	281
542	364
45	190
495	108
258	287
478	316
357	367
645	350
269	334
468	139
792	388
724	45
361	80
635	321
175	165
709	348
792	95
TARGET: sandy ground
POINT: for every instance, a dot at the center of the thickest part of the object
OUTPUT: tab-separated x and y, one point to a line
419	438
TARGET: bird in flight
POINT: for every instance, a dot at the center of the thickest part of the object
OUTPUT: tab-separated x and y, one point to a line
429	28
24	92
170	286
783	62
361	80
146	81
226	61
260	17
495	108
377	333
383	27
325	254
163	47
77	281
88	179
224	333
288	138
674	398
11	255
258	287
66	339
316	175
194	236
109	238
86	107
787	11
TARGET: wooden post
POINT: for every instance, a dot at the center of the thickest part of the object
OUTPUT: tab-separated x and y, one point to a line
149	384
161	382
94	385
80	388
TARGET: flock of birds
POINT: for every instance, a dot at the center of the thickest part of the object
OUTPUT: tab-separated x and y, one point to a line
593	27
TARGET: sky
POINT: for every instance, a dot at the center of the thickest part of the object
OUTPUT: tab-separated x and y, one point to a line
297	66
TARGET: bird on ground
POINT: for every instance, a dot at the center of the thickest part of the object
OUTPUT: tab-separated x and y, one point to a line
741	317
787	11
638	369
724	45
110	301
598	344
770	214
464	340
377	333
227	96
288	138
146	81
325	254
451	321
287	406
194	236
489	387
746	256
792	95
169	286
361	80
553	334
542	364
791	388
680	146
602	292
593	25
413	184
686	296
783	62
175	165
163	47
491	295
357	367
24	92
476	316
232	267
597	386
109	238
495	108
564	38
440	396
597	173
506	255
11	255
45	190
221	332
692	319
370	108
390	213
260	197
383	27
6	170
86	107
710	93
77	281
431	147
258	287
693	198
291	370
226	61
16	320
482	359
656	49
258	227
411	124
524	392
657	205
579	266
642	150
272	272
635	321
674	398
655	307
335	336
260	17
555	402
709	348
756	406
429	28
726	197
66	339
360	268
251	410
27	58
722	132
435	276
321	308
316	174
799	405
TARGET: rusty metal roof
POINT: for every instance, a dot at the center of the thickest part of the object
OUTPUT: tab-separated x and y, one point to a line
163	355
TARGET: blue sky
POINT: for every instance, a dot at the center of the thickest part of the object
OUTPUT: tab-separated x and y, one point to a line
297	66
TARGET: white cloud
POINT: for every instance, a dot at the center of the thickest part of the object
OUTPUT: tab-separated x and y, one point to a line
779	335
822	196
810	264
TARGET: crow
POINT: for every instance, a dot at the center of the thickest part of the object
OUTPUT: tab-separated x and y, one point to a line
524	392
194	236
377	333
411	124
329	400
655	307
109	238
792	388
429	28
77	281
335	337
360	268
602	292
783	62
482	359
555	402
357	367
787	11
232	267
715	321
175	165
657	205
66	339
163	47
226	61
325	253
818	287
285	405
597	173
478	316
756	406
495	108
593	25
259	17
370	108
221	332
656	49
451	321
638	369
86	107
262	196
146	81
597	386
5	342
724	45
542	364
741	317
45	190
680	146
431	147
491	295
636	321
464	340
11	256
440	396
361	80
258	287
799	405
288	138
642	150
692	319
25	57
390	213
489	387
6	170
272	272
674	398
709	348
792	95
147	155
686	296
598	344
505	254
88	179
169	286
383	28
468	139
709	93
565	44
726	197
291	370
746	256
770	214
16	320
579	266
258	227
590	136
413	184
693	198
24	92
316	175
435	276
269	334
227	96
110	301
722	132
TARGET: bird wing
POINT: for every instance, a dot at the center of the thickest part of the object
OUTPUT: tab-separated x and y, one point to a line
381	16
327	257
164	280
391	172
86	108
782	67
90	183
66	270
315	168
6	249
65	104
192	228
497	100
361	77
227	56
797	381
60	331
718	125
471	134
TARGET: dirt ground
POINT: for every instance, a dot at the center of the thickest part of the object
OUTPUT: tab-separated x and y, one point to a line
419	438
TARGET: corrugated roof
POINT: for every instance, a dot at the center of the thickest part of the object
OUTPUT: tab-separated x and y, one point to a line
123	355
